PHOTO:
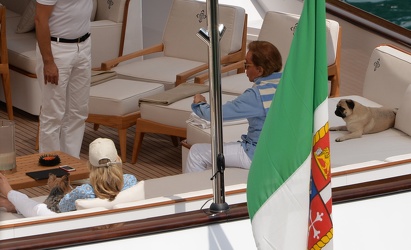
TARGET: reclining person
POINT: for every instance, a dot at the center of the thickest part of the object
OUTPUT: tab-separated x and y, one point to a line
263	65
106	181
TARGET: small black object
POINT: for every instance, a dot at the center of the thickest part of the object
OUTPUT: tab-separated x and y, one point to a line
49	160
44	174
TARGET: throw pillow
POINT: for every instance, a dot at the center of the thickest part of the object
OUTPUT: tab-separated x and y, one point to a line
134	193
403	117
26	23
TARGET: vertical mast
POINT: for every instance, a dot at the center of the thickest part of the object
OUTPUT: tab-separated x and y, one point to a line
219	204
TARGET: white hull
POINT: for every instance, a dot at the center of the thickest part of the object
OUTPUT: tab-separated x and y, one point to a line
379	223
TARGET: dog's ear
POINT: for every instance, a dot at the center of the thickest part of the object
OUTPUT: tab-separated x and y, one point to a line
350	104
65	178
52	177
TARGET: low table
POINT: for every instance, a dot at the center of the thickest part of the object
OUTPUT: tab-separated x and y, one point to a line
30	163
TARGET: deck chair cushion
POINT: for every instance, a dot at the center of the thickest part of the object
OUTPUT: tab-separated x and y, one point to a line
387	76
285	24
119	97
183	50
94	11
160	69
235	84
175	114
192	15
110	10
403	118
135	193
26	23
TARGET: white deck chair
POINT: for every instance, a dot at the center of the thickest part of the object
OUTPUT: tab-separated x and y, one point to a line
183	54
278	28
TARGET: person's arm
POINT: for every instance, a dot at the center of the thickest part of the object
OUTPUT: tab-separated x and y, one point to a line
21	202
68	202
43	13
129	181
244	106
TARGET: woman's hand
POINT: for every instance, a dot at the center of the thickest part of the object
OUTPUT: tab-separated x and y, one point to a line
198	98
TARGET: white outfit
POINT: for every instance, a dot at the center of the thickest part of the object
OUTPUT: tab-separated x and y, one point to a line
26	206
64	106
199	157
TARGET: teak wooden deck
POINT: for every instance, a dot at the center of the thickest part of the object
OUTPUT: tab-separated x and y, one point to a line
158	157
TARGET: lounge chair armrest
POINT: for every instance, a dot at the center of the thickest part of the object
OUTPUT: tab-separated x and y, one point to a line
239	66
182	77
107	65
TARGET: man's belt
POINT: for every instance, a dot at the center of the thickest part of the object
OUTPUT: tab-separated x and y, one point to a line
76	40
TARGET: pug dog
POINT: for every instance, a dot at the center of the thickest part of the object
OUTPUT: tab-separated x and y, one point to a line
361	120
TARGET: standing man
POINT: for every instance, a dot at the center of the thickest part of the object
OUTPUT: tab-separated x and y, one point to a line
64	72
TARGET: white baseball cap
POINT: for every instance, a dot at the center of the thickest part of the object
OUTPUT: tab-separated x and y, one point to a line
102	153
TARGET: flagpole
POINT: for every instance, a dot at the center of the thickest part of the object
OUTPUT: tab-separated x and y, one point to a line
219	204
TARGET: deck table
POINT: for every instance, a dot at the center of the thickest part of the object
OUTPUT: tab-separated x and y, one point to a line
30	163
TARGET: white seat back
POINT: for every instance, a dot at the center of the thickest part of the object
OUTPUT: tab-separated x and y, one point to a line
185	20
279	27
387	76
110	10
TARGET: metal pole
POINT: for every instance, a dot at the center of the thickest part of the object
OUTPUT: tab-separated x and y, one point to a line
219	204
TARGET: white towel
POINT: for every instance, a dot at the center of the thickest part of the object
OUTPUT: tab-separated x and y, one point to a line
201	123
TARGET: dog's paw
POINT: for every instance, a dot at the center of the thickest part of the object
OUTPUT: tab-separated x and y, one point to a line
338	128
339	139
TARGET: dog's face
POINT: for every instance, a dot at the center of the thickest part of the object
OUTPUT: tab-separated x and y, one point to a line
344	108
61	183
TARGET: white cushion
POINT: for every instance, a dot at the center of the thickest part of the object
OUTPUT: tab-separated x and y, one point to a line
15	6
278	28
110	10
26	23
398	157
22	52
378	146
403	117
11	14
183	50
133	193
203	135
191	182
12	23
185	20
119	96
160	69
93	11
235	84
109	32
387	76
175	114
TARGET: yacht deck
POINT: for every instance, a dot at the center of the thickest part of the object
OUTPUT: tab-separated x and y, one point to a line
158	157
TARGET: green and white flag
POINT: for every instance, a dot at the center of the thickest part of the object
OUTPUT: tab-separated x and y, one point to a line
294	146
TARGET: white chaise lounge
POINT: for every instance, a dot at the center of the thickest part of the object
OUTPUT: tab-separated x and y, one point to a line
387	83
170	119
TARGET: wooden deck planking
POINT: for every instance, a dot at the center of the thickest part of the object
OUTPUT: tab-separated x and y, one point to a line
158	156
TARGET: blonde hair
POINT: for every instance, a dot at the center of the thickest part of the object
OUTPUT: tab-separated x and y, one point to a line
107	181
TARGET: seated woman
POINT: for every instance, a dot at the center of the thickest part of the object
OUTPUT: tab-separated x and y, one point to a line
263	63
106	181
